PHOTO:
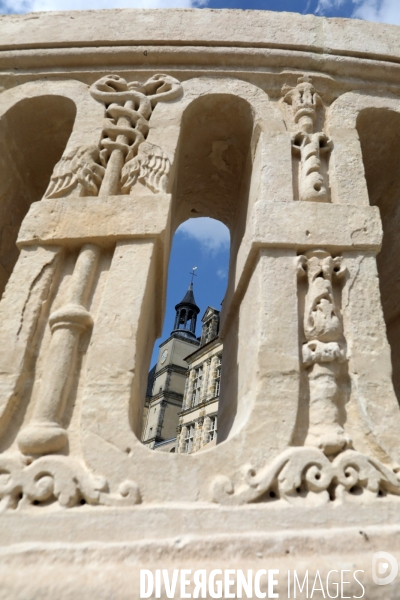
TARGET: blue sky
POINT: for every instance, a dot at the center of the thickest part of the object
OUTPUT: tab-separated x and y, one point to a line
387	11
199	242
202	243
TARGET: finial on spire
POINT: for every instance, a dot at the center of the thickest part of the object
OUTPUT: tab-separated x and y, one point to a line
193	274
186	313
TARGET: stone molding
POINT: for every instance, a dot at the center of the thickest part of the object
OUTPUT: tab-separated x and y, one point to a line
258	29
307	475
125	153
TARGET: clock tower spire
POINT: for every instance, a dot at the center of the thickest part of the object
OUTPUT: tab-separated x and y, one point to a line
186	314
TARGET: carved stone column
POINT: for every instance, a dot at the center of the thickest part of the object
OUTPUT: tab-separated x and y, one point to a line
45	432
309	146
324	350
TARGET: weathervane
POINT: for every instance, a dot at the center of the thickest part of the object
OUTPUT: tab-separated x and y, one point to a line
192	273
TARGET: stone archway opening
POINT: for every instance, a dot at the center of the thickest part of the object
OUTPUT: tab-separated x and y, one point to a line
214	166
33	136
189	346
381	160
215	161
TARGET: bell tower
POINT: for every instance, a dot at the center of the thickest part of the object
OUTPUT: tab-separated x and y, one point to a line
186	315
164	400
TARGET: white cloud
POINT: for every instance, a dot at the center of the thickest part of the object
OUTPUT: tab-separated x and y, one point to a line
222	273
325	5
22	6
384	11
211	234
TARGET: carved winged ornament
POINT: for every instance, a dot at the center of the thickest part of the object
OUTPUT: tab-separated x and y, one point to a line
123	156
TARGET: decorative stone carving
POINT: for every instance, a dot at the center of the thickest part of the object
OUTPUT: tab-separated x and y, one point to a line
150	167
129	107
78	172
306	475
45	433
324	350
58	479
306	144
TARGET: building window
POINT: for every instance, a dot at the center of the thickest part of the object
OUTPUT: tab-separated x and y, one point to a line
218	376
189	438
197	383
213	429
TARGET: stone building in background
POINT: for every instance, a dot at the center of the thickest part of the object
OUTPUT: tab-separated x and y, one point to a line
183	389
164	403
115	128
199	417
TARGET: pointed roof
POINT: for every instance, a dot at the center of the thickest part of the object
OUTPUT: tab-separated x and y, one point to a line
210	310
188	300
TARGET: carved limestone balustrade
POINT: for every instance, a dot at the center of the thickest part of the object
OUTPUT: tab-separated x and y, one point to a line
104	155
75	414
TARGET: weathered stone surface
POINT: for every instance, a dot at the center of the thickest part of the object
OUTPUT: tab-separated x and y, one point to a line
115	127
75	221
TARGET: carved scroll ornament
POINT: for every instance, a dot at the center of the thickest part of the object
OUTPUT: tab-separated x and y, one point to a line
309	146
57	479
306	475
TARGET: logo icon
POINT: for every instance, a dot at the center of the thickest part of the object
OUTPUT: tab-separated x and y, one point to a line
384	568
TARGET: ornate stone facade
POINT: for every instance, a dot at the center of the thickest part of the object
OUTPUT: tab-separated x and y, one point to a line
116	127
198	422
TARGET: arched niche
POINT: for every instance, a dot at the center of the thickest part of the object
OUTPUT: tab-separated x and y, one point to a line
251	409
38	122
364	173
33	135
222	138
213	180
378	129
205	243
214	158
166	125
